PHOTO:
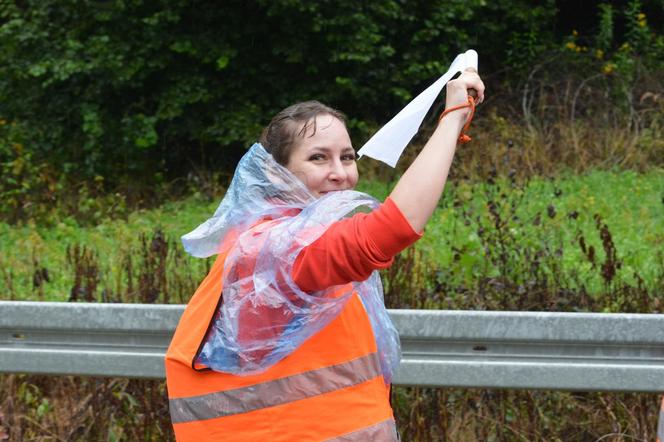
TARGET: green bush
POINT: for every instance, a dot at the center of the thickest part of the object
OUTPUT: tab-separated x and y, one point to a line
122	94
26	186
134	87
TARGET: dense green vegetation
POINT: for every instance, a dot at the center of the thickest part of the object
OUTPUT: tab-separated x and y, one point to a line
121	122
117	80
543	215
120	100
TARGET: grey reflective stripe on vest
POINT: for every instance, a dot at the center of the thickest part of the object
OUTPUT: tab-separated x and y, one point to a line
385	431
276	392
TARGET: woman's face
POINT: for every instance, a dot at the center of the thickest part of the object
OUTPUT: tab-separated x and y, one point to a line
325	162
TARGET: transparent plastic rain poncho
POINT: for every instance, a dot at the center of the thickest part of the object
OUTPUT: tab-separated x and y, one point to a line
265	219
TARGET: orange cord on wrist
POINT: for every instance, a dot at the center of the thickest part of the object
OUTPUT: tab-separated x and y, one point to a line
463	138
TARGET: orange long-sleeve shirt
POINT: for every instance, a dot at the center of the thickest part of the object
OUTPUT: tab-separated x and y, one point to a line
352	248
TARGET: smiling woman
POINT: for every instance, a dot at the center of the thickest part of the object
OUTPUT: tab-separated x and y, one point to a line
324	160
288	337
311	140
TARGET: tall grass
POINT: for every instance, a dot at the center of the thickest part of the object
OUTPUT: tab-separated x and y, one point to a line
523	275
65	409
35	262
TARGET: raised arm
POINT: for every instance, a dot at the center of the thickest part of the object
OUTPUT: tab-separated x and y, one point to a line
352	248
421	186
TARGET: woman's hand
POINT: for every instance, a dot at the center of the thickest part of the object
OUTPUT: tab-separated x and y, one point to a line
468	83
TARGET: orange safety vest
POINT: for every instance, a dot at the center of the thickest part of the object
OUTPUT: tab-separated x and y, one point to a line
330	388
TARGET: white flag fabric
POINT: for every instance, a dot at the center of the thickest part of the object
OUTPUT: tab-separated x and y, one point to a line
388	143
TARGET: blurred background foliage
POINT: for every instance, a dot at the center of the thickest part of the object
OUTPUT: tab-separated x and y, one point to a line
132	99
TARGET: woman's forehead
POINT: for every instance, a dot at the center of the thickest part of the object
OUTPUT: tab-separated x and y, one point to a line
318	123
327	132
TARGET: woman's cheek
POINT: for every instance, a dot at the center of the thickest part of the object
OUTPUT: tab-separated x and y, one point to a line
355	175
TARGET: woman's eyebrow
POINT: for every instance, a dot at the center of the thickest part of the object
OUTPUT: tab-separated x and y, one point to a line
328	149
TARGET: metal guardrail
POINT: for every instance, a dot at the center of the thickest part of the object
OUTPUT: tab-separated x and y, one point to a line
523	350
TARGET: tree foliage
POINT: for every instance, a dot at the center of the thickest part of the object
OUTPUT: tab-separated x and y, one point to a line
149	88
130	86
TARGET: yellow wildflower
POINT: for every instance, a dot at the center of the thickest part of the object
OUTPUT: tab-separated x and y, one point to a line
571	45
641	16
575	33
599	54
608	68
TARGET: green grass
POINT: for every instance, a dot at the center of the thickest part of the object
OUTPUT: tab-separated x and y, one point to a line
631	204
111	239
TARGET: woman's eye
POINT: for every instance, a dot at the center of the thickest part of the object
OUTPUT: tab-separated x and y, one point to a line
316	157
349	157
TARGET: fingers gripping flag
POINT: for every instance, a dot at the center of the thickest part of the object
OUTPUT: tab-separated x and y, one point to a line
388	143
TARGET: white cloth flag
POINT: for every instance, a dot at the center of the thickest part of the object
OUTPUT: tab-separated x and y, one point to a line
388	143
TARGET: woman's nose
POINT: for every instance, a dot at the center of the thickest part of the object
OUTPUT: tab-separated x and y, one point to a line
337	171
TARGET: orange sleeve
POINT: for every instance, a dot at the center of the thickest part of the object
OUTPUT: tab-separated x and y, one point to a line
353	248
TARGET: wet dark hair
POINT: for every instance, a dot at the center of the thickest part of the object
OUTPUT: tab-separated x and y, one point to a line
280	135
